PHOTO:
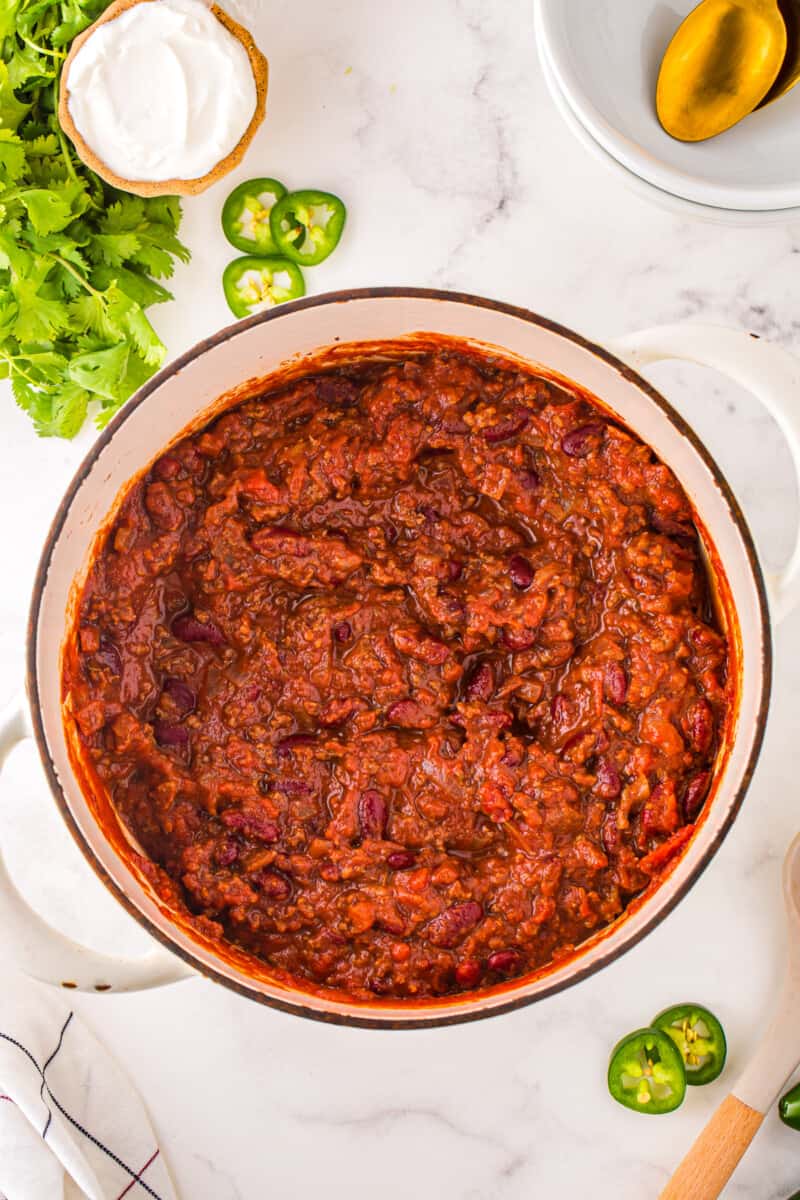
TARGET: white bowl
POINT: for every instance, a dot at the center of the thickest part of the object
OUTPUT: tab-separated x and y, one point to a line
605	56
647	191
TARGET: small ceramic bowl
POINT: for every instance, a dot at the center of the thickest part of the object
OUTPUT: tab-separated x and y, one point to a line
166	187
605	56
738	218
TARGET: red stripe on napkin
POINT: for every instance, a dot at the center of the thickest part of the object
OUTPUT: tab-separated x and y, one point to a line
138	1178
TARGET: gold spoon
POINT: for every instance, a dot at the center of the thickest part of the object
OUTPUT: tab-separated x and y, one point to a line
719	66
789	73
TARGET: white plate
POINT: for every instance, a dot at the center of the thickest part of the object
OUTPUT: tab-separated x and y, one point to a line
605	55
653	195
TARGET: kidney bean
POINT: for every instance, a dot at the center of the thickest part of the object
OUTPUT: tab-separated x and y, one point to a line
451	421
401	860
609	784
227	853
408	714
695	794
580	442
333	390
187	628
521	572
292	787
342	632
448	929
292	741
183	698
273	885
455	608
703	640
480	685
660	811
530	480
167	734
468	973
253	825
700	725
504	961
167	467
162	507
251	693
108	655
514	755
506	429
519	639
455	569
616	683
610	835
373	814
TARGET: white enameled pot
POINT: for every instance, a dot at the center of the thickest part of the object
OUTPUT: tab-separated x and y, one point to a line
257	348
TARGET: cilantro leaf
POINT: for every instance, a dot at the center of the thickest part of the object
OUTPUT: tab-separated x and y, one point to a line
127	315
134	283
114	248
100	371
12	110
79	260
12	157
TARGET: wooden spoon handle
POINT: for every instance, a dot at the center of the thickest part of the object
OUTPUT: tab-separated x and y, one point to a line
715	1154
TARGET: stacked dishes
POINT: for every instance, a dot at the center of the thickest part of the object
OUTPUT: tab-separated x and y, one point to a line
601	62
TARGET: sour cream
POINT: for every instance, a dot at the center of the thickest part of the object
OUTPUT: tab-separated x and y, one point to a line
163	91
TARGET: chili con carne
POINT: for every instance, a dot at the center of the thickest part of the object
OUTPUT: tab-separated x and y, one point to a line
404	674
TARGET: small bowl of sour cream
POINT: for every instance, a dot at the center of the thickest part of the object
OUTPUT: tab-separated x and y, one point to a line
163	97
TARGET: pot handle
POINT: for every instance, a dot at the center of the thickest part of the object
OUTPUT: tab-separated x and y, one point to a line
768	371
33	946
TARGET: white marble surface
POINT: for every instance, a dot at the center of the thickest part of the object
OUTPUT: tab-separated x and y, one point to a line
431	118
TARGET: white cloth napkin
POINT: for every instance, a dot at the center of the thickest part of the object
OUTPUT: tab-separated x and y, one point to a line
71	1123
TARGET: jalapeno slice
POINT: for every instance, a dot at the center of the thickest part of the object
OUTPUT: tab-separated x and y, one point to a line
700	1038
307	225
246	213
252	284
646	1072
789	1108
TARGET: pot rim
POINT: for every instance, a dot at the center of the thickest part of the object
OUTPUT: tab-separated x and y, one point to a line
418	1018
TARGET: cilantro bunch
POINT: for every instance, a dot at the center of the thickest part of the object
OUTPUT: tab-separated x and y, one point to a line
79	261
